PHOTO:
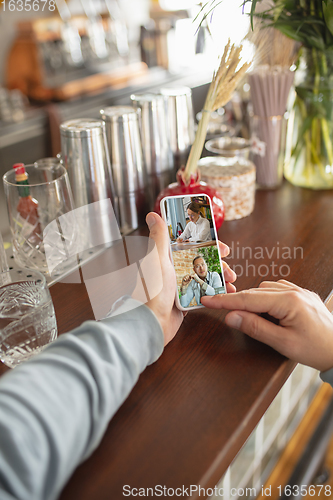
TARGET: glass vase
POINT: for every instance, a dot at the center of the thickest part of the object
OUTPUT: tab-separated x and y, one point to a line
309	149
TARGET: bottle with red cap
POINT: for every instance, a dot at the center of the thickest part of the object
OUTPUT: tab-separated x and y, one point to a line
27	207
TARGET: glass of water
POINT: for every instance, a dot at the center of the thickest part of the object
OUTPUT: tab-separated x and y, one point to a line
27	317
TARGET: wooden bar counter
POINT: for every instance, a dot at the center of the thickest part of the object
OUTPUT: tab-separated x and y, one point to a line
192	410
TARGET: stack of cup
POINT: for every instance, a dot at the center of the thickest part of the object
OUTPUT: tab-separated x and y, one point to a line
127	164
180	124
156	149
85	155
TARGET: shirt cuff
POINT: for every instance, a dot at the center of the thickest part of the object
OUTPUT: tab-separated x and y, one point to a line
133	315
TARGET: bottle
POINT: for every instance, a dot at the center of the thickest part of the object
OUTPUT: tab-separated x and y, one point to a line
180	229
27	207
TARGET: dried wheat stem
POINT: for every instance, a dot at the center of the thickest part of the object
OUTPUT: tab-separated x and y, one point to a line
223	84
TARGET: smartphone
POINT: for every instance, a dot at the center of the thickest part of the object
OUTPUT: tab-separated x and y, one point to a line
194	248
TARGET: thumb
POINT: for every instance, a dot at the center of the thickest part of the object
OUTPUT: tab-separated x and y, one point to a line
257	327
159	233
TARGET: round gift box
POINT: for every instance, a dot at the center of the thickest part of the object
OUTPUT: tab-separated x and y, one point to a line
234	178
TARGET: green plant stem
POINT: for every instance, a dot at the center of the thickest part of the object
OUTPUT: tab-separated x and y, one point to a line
314	123
308	154
324	64
307	139
324	124
314	154
312	8
319	62
327	140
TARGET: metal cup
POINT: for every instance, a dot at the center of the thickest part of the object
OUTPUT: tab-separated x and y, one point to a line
157	152
85	156
180	120
127	164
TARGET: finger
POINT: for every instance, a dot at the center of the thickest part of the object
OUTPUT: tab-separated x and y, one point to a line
158	231
230	288
229	274
277	285
254	300
273	287
289	284
224	249
271	284
258	328
156	267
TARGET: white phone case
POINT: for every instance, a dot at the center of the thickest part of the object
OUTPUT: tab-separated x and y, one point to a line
162	207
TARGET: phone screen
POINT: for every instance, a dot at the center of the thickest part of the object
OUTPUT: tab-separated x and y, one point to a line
194	248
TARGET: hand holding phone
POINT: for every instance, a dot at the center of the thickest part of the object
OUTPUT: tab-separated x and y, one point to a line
198	265
197	279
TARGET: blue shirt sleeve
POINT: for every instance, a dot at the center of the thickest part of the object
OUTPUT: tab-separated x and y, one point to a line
54	409
215	282
186	299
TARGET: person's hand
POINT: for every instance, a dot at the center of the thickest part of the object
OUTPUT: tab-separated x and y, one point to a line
229	275
197	279
305	330
179	240
159	268
186	280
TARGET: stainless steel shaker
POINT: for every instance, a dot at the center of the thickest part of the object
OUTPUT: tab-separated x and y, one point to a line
127	164
84	153
180	119
155	143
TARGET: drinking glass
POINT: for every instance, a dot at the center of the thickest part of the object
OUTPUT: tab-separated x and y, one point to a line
27	317
3	258
3	263
49	185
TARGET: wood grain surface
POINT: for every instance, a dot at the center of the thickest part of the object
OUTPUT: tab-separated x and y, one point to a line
192	410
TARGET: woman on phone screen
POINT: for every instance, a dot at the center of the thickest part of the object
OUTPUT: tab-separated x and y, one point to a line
198	229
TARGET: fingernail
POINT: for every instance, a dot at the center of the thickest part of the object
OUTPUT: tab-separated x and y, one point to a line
150	219
234	320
